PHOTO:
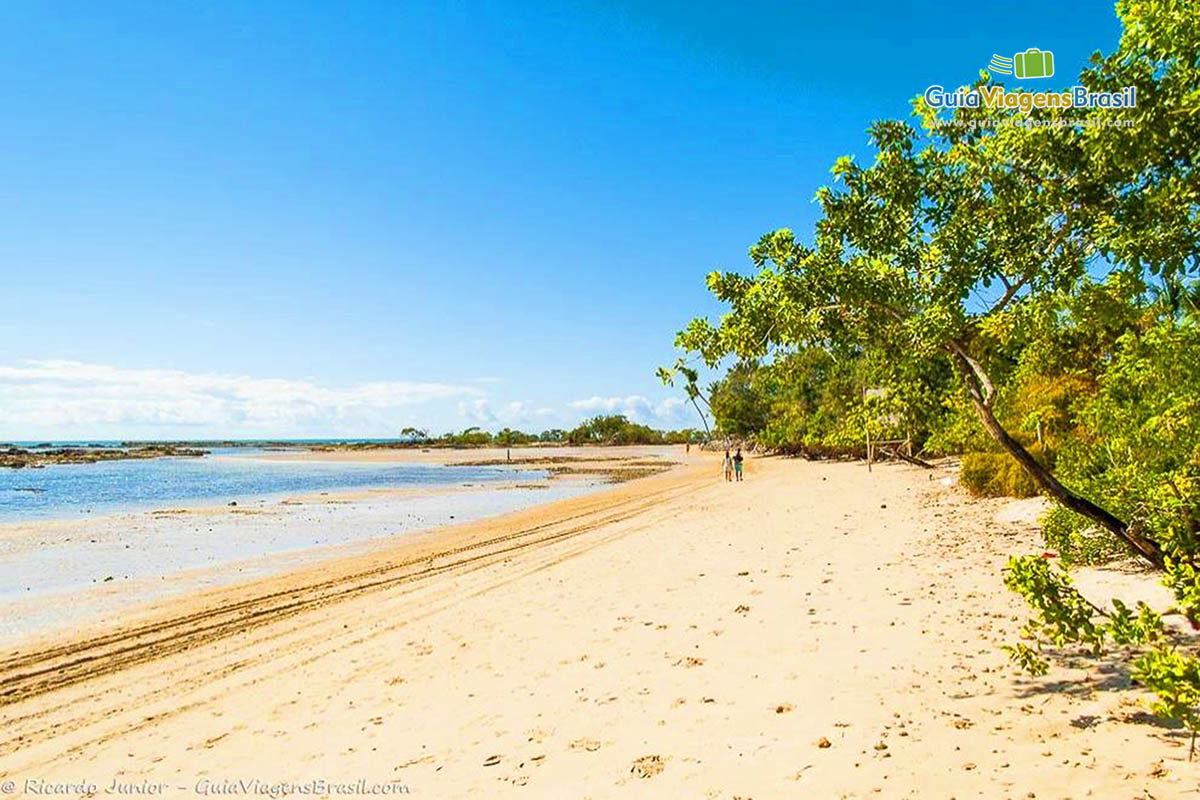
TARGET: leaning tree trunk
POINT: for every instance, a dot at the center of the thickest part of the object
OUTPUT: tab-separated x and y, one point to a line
982	394
703	420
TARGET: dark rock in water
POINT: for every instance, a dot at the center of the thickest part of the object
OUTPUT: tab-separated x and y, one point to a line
31	489
233	502
16	457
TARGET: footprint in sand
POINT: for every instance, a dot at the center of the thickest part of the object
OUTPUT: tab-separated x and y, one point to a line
209	743
590	745
647	766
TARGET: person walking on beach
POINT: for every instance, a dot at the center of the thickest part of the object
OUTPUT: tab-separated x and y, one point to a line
737	464
727	467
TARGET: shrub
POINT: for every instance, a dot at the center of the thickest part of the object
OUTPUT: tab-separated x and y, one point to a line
1077	540
998	474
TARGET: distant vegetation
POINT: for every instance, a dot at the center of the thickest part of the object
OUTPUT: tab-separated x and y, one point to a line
1024	295
613	429
616	429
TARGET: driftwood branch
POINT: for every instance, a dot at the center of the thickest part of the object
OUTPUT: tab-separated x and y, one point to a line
903	456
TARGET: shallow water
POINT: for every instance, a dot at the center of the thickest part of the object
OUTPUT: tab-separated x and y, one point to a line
65	491
85	541
60	574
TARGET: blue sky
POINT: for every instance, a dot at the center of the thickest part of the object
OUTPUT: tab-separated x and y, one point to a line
291	218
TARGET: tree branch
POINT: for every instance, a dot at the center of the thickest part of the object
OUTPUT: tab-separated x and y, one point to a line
982	386
1012	289
1138	544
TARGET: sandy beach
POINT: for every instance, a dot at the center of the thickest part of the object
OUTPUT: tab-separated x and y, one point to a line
819	630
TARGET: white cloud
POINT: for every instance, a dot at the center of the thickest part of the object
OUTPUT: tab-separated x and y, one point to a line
56	399
478	412
671	412
50	398
513	415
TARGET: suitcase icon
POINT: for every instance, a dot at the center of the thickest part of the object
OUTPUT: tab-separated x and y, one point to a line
1033	63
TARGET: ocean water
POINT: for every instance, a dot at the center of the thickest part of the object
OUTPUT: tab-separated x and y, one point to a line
100	538
66	491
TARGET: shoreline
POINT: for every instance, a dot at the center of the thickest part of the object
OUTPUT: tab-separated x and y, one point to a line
347	561
569	461
111	562
118	563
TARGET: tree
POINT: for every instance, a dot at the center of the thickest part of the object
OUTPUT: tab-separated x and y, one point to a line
511	438
909	247
613	429
470	437
966	241
414	434
738	405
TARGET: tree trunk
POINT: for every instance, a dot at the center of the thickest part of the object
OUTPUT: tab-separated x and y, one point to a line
1140	545
703	420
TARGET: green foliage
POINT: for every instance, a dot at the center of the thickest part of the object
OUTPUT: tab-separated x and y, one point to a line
683	436
740	407
412	434
1139	449
1051	267
1064	616
598	430
811	401
996	475
614	429
1138	446
957	430
1077	540
507	437
470	437
1175	678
